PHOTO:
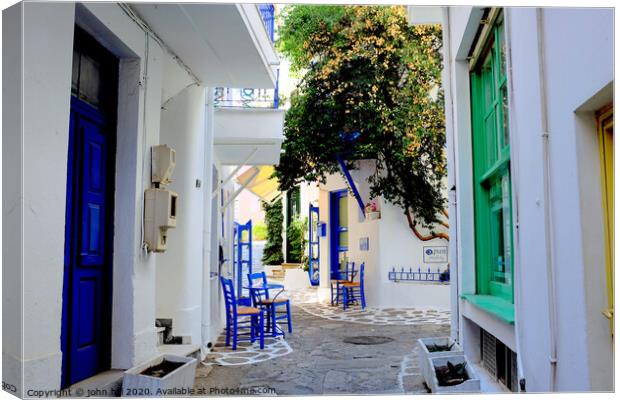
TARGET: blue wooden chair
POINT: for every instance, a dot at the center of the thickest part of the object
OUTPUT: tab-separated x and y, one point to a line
349	274
262	299
354	291
237	318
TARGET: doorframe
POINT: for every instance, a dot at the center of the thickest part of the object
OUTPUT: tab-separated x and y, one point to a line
334	225
108	119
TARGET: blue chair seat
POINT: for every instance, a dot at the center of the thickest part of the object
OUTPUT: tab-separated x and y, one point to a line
353	292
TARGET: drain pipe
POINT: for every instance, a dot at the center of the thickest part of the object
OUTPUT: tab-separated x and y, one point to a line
206	229
452	197
549	248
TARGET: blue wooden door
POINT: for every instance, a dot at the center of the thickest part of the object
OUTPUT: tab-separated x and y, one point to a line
86	318
339	233
87	245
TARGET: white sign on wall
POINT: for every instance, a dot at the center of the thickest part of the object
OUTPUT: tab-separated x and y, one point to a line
435	254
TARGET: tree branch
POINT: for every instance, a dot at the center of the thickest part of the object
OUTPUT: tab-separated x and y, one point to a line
424	238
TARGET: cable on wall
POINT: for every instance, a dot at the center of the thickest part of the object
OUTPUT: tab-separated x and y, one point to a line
144	26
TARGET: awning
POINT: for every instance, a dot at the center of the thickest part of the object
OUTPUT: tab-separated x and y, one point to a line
262	185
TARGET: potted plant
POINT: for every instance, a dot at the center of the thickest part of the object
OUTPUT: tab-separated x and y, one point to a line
435	347
371	210
167	374
452	374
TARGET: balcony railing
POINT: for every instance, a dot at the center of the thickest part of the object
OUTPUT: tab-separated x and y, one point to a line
249	97
267	11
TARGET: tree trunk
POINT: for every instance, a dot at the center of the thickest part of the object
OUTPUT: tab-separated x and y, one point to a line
424	238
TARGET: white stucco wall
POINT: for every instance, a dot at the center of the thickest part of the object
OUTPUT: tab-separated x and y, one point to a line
179	291
47	35
12	200
588	64
578	81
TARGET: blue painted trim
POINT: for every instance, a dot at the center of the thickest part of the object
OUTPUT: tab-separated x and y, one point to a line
334	229
313	260
347	174
240	262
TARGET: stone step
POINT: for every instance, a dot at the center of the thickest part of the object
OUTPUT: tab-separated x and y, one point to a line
104	384
291	265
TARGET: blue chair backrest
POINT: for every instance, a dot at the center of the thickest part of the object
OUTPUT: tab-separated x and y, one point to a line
229	296
362	275
258	295
350	271
256	276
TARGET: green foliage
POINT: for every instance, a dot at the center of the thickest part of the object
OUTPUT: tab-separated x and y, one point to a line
272	253
300	22
297	239
259	232
371	89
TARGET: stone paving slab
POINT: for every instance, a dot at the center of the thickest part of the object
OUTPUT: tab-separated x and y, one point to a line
320	362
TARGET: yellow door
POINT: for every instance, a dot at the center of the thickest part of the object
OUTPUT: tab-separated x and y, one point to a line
605	121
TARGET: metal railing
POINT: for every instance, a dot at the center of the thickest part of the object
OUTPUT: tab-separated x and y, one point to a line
267	11
419	275
246	97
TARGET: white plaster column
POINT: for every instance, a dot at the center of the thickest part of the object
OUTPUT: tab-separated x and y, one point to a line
179	269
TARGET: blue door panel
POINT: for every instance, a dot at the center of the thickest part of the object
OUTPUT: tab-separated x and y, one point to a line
93	195
86	312
87	278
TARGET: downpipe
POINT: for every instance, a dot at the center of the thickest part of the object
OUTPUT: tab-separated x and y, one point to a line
206	240
549	248
452	196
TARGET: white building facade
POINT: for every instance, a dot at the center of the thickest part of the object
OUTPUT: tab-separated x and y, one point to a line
529	108
397	263
90	88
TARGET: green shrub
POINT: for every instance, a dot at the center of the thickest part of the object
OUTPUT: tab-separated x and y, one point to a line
296	234
272	253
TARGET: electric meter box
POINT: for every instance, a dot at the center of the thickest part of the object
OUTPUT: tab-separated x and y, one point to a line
163	161
160	211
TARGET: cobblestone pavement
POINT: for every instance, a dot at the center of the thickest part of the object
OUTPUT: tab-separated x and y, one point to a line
307	299
247	353
322	363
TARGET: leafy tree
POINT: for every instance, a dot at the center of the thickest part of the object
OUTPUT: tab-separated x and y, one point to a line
272	253
371	89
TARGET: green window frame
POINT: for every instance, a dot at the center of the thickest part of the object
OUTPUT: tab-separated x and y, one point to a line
491	168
